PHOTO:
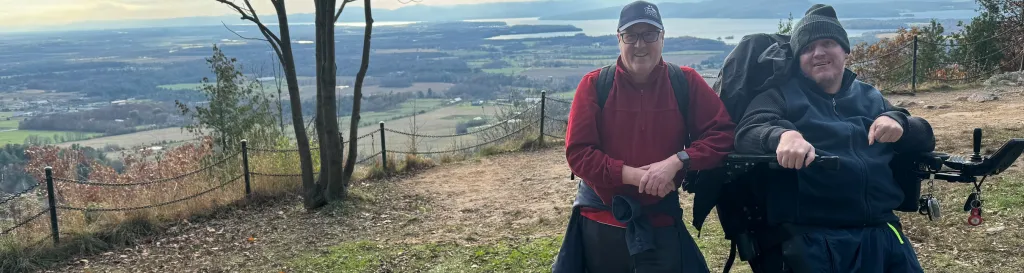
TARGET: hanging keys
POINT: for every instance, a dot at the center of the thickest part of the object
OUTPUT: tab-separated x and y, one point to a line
933	209
974	203
928	204
975	218
922	204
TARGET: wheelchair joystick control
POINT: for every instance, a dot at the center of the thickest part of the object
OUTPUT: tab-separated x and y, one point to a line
977	146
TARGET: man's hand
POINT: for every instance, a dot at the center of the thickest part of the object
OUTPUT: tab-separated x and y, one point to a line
794	152
885	130
659	177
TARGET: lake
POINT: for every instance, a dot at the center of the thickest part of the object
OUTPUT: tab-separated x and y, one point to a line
709	28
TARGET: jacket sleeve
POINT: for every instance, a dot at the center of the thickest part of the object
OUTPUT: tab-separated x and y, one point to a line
714	131
762	124
918	136
583	143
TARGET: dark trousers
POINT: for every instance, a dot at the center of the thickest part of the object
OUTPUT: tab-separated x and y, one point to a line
872	249
605	250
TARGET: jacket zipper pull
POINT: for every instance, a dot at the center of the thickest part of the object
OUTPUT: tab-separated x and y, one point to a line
834	106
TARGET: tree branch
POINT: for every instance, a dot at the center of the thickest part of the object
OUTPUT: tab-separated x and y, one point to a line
251	16
240	35
272	39
338	15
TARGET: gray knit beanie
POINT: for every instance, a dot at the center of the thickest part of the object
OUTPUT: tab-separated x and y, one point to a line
819	22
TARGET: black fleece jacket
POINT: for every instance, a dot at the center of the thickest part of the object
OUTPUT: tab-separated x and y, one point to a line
862	191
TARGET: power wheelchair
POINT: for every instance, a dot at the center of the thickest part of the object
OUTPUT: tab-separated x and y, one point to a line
732	190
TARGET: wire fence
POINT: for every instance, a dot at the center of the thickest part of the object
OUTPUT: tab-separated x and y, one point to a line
904	63
66	197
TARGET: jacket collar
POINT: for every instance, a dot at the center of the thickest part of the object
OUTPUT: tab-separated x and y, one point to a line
653	78
848	78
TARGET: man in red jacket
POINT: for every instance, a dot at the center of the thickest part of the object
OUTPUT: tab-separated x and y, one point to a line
632	149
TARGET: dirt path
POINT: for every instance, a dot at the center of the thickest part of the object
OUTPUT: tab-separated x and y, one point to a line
529	194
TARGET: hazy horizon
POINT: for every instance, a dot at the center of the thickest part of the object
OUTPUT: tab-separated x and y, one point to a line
40	13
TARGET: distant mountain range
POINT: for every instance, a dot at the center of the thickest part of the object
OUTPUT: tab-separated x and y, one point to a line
573	10
757	9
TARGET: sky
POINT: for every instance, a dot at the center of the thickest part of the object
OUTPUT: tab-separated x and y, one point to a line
24	13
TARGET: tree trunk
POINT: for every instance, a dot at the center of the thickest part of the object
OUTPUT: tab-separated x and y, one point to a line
357	95
280	108
311	199
327	69
325	167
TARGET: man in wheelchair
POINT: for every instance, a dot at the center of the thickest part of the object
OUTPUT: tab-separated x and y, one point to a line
830	219
822	160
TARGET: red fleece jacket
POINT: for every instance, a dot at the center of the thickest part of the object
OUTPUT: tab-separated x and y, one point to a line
640	124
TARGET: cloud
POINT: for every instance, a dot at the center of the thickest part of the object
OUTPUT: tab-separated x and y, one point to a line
59	12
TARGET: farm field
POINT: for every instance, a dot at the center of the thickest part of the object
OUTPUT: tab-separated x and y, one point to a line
30	95
136	139
14	136
307	87
440	122
436	119
418	86
7	122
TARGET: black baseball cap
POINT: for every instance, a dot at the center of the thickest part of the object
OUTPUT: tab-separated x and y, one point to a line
640	12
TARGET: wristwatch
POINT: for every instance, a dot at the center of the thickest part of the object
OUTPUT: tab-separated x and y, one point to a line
685	158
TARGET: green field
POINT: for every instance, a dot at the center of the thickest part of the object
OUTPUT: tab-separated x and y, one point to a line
404	110
19	136
8	123
181	86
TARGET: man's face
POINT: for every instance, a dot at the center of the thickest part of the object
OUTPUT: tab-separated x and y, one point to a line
823	61
640	46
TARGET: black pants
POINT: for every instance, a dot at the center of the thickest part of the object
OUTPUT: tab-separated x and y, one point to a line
605	250
852	250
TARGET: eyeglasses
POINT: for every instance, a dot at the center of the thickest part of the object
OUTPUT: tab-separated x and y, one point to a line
632	38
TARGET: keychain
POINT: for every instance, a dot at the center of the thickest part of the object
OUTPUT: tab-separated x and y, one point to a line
929	205
974	206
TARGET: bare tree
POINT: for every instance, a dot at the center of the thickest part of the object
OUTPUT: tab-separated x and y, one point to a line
282	46
357	94
331	183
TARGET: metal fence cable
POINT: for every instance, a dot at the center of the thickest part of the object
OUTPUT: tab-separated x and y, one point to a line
489	127
22	223
469	147
162	180
18	194
997	35
558	100
158	204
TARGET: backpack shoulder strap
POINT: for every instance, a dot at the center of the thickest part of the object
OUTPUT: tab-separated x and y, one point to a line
681	88
605	81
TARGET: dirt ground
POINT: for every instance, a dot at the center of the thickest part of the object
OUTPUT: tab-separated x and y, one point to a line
529	194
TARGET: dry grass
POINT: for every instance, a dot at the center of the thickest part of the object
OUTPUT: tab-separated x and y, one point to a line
185	182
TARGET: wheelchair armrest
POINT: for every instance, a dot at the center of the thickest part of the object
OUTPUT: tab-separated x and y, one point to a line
828	162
